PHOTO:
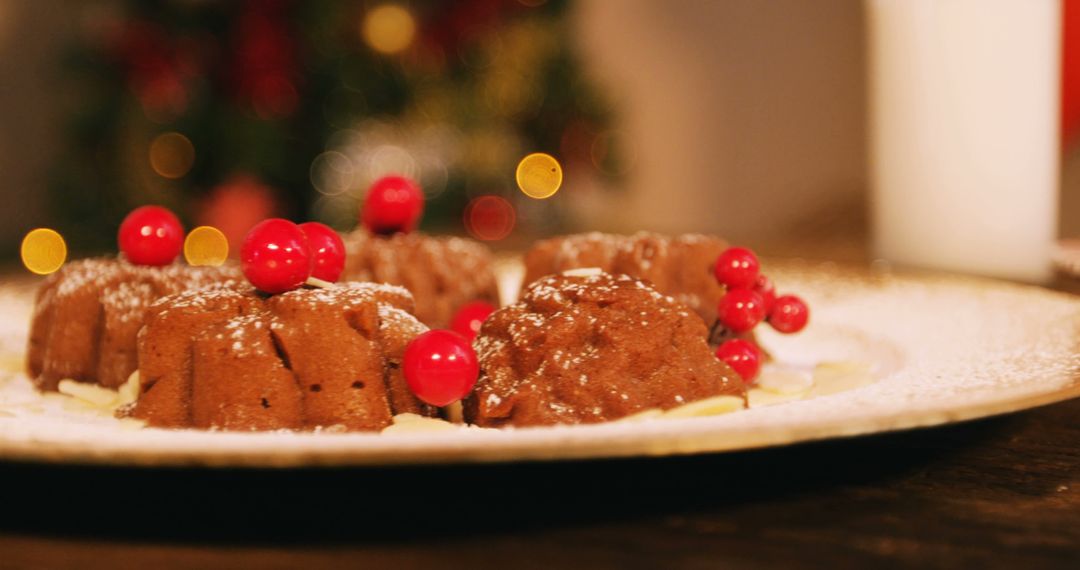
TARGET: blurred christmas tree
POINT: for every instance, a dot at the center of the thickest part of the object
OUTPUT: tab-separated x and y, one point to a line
228	112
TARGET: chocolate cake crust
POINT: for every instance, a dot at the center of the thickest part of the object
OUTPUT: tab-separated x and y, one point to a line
592	348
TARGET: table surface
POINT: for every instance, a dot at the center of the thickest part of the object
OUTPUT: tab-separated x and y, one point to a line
1000	492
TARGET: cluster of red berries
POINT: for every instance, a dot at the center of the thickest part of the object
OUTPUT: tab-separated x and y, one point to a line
277	255
440	366
750	298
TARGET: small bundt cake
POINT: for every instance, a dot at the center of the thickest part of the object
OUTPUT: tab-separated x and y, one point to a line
442	273
87	315
230	358
591	348
680	266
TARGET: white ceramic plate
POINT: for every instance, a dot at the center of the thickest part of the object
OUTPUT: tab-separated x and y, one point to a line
944	349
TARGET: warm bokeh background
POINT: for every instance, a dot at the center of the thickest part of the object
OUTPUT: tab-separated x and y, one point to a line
740	117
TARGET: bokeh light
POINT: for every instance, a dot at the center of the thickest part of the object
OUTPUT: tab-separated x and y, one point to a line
206	245
43	251
539	175
388	29
490	218
331	173
171	155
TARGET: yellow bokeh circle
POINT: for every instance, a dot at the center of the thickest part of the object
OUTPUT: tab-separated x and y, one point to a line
206	245
43	251
388	28
171	155
539	175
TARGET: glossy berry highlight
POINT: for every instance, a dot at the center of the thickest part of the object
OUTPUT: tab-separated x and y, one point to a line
327	251
789	314
737	268
740	310
440	367
151	235
275	256
743	356
393	204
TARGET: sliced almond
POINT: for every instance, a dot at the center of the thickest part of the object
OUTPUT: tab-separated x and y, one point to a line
642	415
419	425
90	393
713	406
758	397
833	377
784	381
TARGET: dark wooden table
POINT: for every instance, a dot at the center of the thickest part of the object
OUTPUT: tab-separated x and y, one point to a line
1002	492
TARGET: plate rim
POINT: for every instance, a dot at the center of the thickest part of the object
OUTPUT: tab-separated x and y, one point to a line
333	450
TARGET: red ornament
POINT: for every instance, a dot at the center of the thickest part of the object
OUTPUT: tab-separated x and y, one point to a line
440	367
789	314
393	204
737	268
470	316
275	256
764	286
151	235
327	251
740	310
742	356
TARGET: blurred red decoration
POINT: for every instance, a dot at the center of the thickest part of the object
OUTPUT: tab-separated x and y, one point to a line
156	68
459	22
1070	71
235	206
263	70
490	218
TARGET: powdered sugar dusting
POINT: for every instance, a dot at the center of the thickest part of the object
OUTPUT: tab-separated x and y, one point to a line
944	349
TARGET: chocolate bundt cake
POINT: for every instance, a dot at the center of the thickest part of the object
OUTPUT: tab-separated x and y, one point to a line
591	348
680	266
443	273
87	315
232	359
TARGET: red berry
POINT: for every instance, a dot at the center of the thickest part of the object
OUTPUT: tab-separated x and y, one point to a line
740	310
763	286
470	316
275	256
737	268
393	204
789	314
327	251
440	367
151	235
742	356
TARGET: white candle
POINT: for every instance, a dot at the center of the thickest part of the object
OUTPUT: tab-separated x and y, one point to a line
964	133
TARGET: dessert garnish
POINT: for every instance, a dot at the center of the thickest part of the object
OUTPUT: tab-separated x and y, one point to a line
469	317
749	299
440	367
275	256
278	255
737	268
789	314
740	310
393	204
151	235
743	356
327	251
